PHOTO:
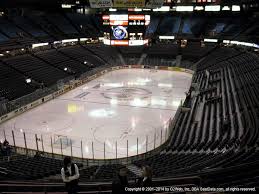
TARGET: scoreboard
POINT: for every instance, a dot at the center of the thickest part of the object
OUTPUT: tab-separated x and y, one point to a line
125	29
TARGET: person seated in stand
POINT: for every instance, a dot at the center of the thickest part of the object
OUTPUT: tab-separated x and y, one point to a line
1	149
7	149
225	125
70	175
146	178
120	182
38	154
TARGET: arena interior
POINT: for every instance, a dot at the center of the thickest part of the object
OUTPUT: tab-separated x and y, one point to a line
206	55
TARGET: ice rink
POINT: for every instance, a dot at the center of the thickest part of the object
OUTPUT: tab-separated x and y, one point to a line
131	105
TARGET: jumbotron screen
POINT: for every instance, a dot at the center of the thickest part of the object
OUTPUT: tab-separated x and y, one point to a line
125	29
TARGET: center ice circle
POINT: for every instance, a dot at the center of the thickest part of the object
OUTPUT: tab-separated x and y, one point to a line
126	93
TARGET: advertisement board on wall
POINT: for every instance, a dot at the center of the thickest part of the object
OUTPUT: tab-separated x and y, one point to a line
129	3
100	3
154	3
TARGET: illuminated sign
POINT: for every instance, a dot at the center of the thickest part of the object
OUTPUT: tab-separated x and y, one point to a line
129	3
120	32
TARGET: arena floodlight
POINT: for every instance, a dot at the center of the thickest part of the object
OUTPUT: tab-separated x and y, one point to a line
226	8
212	8
199	8
184	8
163	8
112	9
39	45
28	80
66	6
137	9
210	40
83	39
69	40
166	37
226	41
235	8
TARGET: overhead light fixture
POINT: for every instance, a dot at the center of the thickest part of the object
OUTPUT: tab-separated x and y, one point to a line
39	45
69	40
226	41
210	40
85	62
28	80
137	9
112	9
166	37
225	8
65	6
235	8
199	8
163	8
65	69
184	8
212	8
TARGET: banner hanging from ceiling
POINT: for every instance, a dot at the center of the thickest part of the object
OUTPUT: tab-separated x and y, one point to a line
129	3
100	3
154	3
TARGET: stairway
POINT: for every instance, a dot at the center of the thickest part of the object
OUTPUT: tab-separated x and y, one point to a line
143	56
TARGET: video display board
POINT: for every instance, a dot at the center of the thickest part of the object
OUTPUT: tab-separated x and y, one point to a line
125	30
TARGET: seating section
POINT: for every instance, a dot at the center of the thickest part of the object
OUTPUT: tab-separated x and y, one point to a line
12	83
216	131
109	54
62	24
227	92
86	24
81	54
109	171
45	68
59	60
30	28
28	168
36	69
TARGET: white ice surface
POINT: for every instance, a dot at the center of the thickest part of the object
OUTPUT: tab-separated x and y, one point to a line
118	106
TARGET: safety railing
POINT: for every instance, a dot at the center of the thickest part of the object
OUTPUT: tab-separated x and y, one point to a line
88	151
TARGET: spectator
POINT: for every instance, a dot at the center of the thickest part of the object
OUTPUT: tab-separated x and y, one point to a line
1	148
121	181
225	125
6	149
38	154
146	179
70	176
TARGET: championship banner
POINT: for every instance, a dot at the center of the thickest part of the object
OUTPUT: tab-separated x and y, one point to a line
100	3
154	3
129	3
